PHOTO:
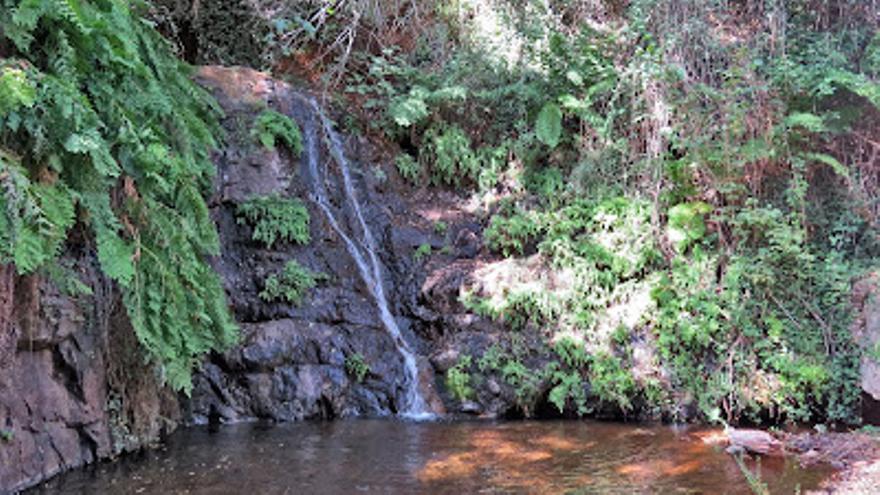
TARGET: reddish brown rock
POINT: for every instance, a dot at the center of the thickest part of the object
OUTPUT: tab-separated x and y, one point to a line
60	407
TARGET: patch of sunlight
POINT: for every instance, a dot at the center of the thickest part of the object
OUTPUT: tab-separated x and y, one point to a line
633	302
505	459
492	32
496	281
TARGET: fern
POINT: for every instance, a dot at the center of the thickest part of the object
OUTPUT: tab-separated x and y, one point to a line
290	285
272	126
100	124
275	219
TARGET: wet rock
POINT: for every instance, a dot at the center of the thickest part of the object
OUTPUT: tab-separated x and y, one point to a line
467	243
291	363
63	401
753	442
470	407
445	359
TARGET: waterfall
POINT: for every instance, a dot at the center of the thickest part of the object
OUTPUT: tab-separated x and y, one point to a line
362	247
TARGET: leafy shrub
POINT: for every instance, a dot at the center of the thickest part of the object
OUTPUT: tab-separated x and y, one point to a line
356	367
510	235
458	379
565	375
611	382
290	285
274	218
451	158
102	125
408	167
422	252
271	126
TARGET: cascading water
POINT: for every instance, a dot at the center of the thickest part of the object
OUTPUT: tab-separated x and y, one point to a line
362	250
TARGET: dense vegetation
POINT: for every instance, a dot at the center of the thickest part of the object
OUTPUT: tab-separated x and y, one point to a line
702	174
102	131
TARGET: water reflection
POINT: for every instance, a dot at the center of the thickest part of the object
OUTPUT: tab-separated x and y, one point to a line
456	458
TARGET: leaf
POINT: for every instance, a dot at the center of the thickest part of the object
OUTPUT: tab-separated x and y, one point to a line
808	121
549	125
686	223
409	110
15	91
30	251
115	256
839	168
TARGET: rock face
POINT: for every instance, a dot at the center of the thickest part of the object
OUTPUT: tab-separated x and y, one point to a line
866	331
292	361
68	393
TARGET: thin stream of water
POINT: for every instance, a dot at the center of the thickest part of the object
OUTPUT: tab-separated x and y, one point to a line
363	251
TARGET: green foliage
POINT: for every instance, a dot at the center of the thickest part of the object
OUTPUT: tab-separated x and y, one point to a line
274	218
271	126
686	224
101	125
356	367
7	435
458	379
451	156
408	167
214	33
511	235
422	252
568	384
548	127
15	90
290	284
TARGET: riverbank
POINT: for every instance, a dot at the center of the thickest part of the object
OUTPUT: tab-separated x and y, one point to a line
856	454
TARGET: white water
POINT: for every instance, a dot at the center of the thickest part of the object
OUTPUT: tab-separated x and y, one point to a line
362	250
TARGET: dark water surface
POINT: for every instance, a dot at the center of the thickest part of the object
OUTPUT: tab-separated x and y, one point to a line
380	456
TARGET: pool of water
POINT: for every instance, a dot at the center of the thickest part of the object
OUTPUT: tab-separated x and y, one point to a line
381	456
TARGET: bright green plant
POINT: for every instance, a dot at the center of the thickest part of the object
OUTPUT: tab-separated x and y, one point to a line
408	167
566	376
290	284
274	218
451	157
510	235
102	126
271	127
458	379
422	252
357	367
